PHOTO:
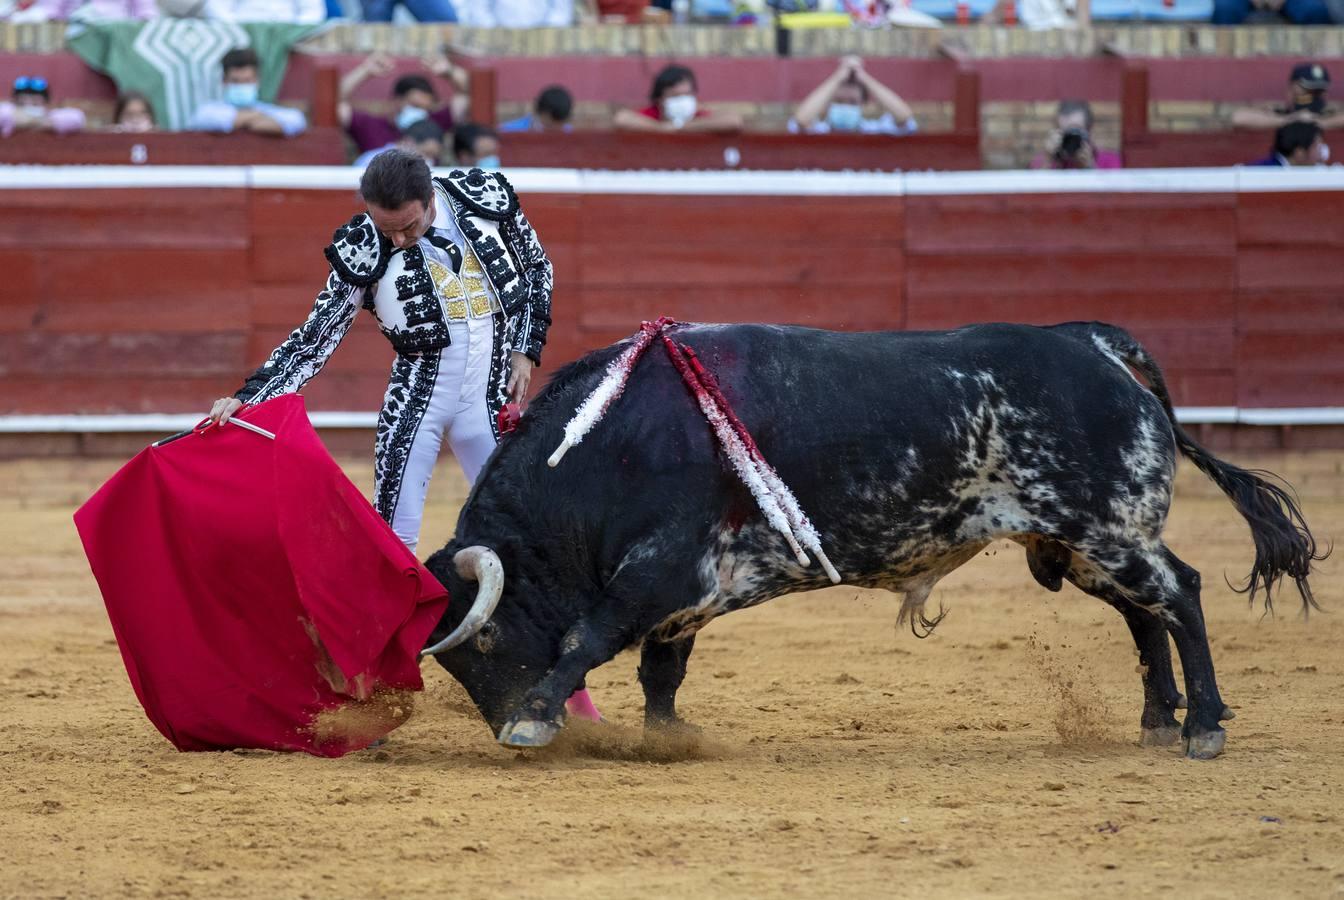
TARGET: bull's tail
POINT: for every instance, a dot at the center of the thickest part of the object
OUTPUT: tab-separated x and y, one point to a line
1284	545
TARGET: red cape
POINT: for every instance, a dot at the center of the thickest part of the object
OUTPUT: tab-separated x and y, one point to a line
258	599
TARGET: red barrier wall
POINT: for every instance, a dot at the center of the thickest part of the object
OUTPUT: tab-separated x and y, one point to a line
132	300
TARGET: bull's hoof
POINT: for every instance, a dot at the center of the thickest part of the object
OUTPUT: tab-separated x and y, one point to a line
1205	744
1162	736
528	733
672	726
1227	714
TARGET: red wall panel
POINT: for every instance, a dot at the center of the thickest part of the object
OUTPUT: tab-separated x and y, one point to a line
133	306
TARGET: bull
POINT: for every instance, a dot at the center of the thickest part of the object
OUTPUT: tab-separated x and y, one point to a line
910	451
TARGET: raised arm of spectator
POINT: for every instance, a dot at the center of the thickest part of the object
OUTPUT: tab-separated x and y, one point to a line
1334	120
443	67
814	104
374	64
885	97
1259	118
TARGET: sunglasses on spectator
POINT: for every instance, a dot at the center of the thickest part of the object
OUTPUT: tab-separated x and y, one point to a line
25	83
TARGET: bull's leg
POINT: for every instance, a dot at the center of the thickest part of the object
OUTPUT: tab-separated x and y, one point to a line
1154	579
662	667
587	645
1158	726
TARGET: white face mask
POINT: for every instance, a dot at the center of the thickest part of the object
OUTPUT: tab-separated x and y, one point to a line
1325	154
680	108
241	94
409	115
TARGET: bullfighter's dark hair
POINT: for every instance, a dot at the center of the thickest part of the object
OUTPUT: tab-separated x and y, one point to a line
407	83
668	78
396	177
240	58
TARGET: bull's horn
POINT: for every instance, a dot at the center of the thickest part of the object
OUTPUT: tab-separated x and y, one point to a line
479	564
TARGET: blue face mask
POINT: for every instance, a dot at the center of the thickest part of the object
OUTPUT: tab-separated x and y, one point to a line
409	115
844	116
488	162
241	94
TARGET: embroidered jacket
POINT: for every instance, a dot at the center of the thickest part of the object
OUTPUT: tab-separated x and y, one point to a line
366	271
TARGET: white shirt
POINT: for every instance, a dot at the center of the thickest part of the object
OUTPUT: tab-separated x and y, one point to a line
883	124
216	115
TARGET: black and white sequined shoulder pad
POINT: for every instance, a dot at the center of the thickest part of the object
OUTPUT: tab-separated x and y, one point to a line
485	194
358	253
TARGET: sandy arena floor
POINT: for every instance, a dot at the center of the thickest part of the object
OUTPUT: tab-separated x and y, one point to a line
840	757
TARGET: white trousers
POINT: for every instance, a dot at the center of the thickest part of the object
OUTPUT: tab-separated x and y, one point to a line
457	410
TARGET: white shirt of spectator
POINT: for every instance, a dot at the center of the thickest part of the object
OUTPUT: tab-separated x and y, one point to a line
216	115
883	124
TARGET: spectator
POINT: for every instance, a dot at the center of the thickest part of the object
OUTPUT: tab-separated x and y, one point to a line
424	137
62	10
241	110
1297	144
415	96
674	106
476	145
133	113
1308	85
1266	12
1069	145
422	10
838	104
30	110
553	108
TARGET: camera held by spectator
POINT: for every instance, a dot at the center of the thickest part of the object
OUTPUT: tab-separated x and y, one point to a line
1070	146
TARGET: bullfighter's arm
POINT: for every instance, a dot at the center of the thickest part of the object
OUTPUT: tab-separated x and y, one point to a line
303	354
535	317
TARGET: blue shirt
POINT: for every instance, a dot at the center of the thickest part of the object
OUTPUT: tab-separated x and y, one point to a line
526	123
216	115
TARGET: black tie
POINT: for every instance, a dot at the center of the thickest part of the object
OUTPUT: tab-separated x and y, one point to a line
447	246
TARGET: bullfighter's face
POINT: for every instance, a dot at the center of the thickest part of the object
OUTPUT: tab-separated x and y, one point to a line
404	225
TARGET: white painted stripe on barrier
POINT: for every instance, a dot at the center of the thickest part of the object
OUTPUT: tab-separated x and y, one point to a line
712	183
169	423
67	177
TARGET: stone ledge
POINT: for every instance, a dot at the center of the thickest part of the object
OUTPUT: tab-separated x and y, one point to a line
661	42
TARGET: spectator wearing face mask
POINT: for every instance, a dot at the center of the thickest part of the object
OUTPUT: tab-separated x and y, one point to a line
30	110
1308	85
675	107
476	145
415	96
134	113
1297	144
241	109
551	113
840	103
424	137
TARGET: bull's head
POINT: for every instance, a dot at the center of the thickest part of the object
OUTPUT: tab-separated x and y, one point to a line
496	658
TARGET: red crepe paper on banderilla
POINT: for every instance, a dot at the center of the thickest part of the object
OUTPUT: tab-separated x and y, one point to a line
257	598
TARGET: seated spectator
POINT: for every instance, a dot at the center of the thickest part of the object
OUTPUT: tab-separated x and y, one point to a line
1297	144
839	104
1308	84
1267	12
30	110
553	108
422	10
415	96
62	10
424	137
1069	145
241	110
674	107
133	113
476	145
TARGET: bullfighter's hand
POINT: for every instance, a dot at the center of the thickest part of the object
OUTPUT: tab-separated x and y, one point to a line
223	408
520	375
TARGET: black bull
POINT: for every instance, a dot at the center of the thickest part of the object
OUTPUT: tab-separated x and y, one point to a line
909	451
